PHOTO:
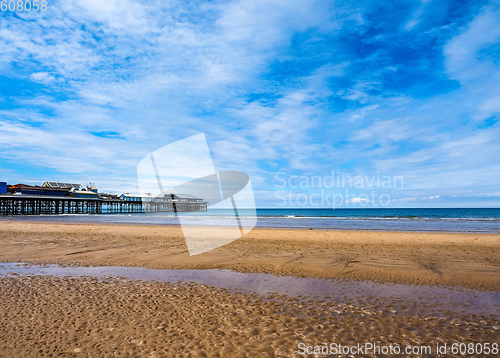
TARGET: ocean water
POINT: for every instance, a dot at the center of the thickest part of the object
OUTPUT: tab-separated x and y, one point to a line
476	220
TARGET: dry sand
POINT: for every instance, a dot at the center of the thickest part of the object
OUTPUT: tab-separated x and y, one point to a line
469	260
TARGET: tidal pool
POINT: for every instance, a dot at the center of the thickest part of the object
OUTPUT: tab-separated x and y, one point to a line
395	299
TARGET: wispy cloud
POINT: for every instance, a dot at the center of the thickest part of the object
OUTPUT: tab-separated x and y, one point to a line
88	88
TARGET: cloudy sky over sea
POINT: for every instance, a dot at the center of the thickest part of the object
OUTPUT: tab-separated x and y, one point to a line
283	90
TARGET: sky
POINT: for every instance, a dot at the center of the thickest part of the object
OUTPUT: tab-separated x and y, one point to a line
293	93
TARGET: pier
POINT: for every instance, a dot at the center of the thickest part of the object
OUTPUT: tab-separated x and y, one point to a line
55	198
50	205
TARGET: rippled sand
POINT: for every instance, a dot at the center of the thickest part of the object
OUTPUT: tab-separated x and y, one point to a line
468	260
45	316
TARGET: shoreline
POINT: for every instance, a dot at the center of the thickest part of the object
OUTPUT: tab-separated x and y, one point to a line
431	225
27	219
470	260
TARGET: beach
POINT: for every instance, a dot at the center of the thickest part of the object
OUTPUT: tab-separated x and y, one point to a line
78	316
85	317
453	259
249	178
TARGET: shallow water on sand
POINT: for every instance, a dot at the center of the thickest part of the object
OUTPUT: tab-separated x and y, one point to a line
392	299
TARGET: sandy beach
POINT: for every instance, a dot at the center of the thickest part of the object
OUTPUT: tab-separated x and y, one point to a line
451	259
54	317
47	316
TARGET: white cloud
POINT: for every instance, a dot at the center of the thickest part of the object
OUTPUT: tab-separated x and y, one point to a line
265	24
415	19
490	105
479	73
461	52
42	77
404	200
358	201
389	130
121	15
63	54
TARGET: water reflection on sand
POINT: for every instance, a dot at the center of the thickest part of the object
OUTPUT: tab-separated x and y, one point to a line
393	299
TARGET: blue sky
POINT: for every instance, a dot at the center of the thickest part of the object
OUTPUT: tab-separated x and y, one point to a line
301	88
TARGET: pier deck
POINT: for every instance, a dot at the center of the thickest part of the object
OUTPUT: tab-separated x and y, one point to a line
55	205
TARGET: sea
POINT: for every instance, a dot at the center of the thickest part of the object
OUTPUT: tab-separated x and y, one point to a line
467	220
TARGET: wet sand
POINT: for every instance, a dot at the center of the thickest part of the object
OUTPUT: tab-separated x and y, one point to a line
45	316
48	316
468	260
